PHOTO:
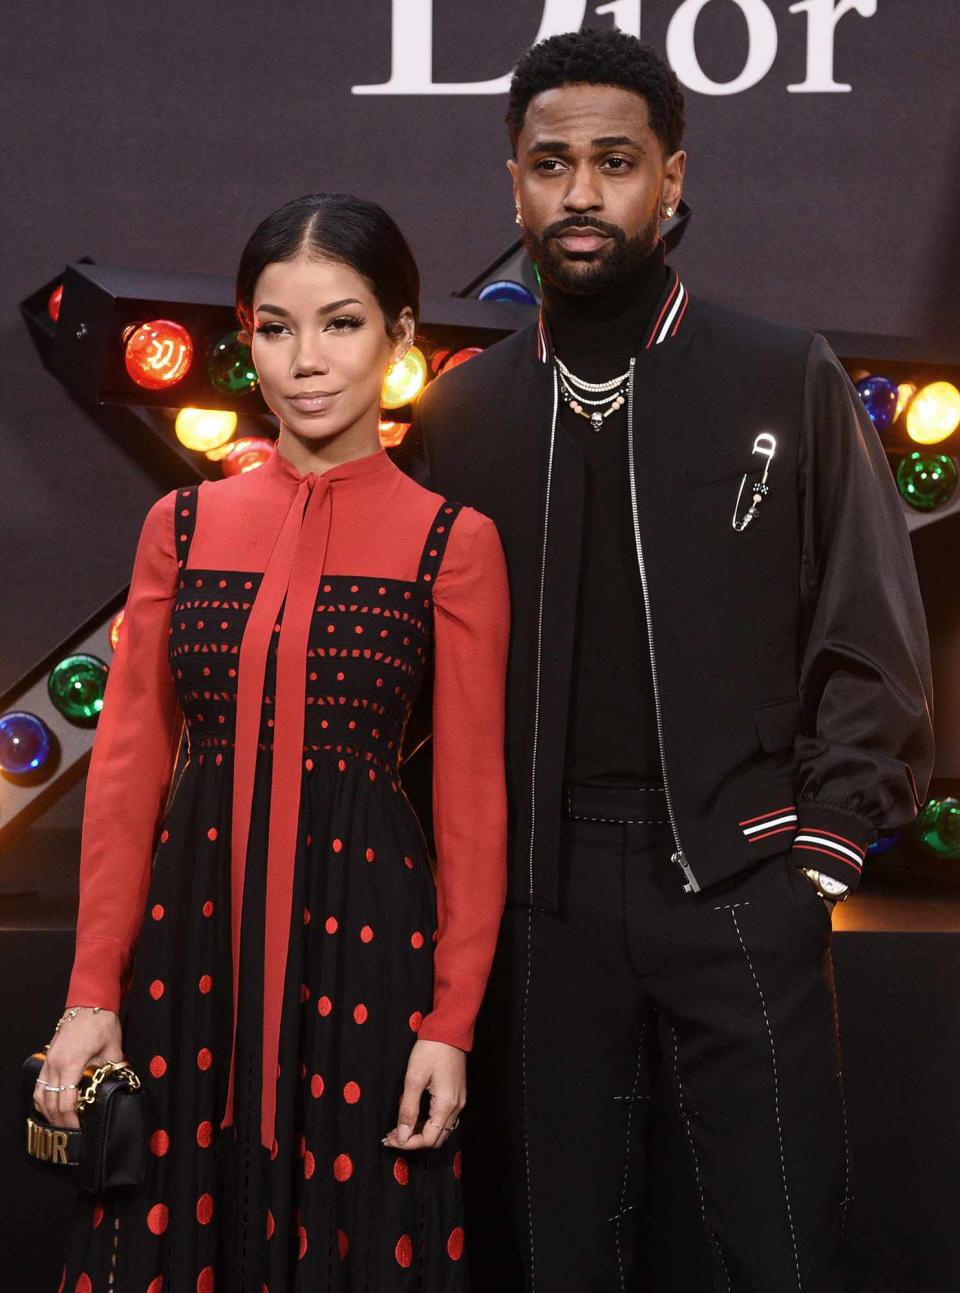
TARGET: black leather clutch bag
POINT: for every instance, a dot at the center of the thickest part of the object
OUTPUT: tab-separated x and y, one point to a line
109	1149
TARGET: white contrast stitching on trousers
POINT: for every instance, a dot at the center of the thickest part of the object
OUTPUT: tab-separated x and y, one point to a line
618	821
847	1199
696	1162
776	1097
626	1158
523	1084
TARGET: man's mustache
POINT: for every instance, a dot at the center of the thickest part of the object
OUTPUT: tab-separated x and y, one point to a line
583	222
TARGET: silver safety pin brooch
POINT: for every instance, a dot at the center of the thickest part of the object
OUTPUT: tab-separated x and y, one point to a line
765	445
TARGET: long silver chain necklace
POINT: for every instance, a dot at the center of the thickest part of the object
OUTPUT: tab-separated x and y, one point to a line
577	393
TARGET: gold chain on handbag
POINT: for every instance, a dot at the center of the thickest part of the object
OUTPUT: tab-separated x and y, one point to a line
90	1093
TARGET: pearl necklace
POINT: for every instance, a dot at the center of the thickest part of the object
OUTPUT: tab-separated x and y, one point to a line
613	395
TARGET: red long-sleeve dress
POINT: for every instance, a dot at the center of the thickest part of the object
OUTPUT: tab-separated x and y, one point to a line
273	928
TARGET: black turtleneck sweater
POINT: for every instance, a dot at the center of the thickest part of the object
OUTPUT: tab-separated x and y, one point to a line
612	729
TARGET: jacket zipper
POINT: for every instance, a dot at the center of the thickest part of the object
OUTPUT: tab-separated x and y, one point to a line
678	857
543	582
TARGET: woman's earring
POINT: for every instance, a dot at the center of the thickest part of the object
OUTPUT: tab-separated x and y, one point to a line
519	217
667	212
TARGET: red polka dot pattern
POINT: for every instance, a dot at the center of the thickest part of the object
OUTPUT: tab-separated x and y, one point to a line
158	1218
458	1164
83	1284
271	1224
360	679
156	989
159	1143
455	1243
404	1252
157	1066
155	1285
97	1214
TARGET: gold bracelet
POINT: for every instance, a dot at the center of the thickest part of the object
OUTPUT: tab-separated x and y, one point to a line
71	1013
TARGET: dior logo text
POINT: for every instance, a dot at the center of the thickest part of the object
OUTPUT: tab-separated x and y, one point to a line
411	43
46	1143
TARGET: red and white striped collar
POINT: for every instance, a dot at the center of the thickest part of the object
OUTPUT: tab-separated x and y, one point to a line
668	317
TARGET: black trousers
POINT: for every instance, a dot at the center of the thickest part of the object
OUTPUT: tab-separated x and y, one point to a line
737	984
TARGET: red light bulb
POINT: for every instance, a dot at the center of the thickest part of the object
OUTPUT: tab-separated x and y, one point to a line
158	354
460	357
246	455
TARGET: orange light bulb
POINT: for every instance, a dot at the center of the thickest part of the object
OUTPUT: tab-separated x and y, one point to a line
392	433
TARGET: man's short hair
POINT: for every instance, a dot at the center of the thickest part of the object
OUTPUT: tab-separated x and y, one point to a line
599	58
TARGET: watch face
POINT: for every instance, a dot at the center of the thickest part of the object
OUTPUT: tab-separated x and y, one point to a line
831	886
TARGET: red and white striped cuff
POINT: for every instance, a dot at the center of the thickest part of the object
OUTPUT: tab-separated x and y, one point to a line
832	841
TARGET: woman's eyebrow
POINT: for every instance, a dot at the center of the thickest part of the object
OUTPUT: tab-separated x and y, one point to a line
324	309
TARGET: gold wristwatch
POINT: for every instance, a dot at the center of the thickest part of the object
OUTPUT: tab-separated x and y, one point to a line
825	885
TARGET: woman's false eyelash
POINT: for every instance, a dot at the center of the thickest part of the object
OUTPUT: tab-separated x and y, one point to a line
342	323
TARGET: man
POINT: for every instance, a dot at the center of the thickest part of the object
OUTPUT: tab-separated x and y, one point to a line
718	695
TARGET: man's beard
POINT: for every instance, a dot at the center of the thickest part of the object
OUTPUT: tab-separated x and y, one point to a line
591	273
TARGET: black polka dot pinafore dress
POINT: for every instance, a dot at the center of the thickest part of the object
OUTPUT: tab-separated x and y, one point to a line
328	1209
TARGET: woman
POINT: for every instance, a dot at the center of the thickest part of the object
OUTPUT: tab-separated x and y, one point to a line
299	982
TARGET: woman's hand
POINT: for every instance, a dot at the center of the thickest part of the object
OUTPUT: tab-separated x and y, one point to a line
441	1070
88	1038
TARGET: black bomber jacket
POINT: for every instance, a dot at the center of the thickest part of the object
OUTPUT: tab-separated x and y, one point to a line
790	658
